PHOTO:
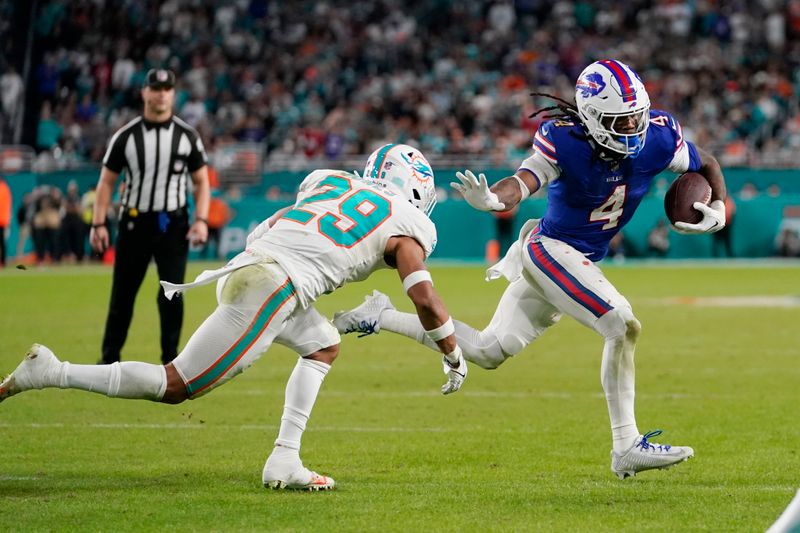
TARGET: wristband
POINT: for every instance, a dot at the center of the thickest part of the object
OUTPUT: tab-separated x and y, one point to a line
203	220
523	189
442	332
100	225
418	276
453	357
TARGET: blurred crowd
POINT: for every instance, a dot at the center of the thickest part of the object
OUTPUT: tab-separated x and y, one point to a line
313	79
54	227
57	222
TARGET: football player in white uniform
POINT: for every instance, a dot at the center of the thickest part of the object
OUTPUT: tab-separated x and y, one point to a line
341	228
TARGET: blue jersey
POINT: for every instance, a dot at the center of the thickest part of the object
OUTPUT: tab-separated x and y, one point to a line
589	199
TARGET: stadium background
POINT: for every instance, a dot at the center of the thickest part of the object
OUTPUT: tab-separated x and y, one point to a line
279	88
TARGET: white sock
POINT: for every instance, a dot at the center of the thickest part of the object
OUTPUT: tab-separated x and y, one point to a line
624	437
301	393
406	324
479	347
618	377
129	379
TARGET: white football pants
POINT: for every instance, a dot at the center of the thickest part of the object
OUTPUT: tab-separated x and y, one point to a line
556	279
257	306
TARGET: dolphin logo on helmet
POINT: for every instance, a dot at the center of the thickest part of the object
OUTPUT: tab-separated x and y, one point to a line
404	170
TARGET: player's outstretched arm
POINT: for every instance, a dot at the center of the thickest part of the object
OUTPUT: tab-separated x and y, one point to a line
515	188
409	256
475	191
502	196
714	213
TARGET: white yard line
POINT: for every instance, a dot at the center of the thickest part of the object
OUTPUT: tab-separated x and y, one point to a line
244	427
749	301
489	394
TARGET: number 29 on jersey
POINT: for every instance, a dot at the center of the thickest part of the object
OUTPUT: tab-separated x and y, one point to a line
354	216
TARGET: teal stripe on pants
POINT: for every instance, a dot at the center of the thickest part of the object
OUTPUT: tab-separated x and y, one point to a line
257	326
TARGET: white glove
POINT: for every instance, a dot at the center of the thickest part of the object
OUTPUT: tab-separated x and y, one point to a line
455	374
258	232
713	219
476	192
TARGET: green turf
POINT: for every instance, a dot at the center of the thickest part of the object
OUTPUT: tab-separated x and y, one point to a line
521	448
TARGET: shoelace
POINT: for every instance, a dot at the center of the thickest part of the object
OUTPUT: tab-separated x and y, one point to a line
363	327
646	445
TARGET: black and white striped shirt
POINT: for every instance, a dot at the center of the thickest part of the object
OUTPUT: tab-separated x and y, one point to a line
157	159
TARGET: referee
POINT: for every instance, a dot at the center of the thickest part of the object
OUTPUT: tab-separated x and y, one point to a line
159	153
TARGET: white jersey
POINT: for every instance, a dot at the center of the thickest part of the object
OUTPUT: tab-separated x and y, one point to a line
337	232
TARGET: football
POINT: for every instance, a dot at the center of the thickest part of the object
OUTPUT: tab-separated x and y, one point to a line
687	189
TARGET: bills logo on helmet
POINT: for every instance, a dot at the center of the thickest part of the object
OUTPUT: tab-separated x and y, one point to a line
591	85
421	171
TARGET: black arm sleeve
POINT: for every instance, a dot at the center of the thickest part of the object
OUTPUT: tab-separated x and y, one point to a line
197	157
115	154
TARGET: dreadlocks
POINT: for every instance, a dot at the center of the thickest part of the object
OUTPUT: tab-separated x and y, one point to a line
568	110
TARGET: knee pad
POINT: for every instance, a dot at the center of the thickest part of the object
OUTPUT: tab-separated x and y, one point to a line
512	342
480	347
307	332
495	349
619	321
486	360
511	345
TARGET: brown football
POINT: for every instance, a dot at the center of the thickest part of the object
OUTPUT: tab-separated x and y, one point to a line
687	189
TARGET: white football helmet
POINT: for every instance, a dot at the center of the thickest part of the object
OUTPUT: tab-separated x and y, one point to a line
404	170
614	106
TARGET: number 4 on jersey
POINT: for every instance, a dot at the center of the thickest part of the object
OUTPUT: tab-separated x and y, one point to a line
611	209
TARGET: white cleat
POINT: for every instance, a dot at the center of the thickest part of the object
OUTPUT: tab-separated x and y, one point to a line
646	455
282	472
366	318
302	479
285	470
40	369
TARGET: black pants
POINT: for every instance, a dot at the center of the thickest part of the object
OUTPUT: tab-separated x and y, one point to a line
45	241
141	238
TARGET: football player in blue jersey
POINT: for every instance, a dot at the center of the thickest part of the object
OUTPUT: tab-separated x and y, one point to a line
597	159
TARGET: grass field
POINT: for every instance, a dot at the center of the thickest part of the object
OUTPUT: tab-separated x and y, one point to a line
522	448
